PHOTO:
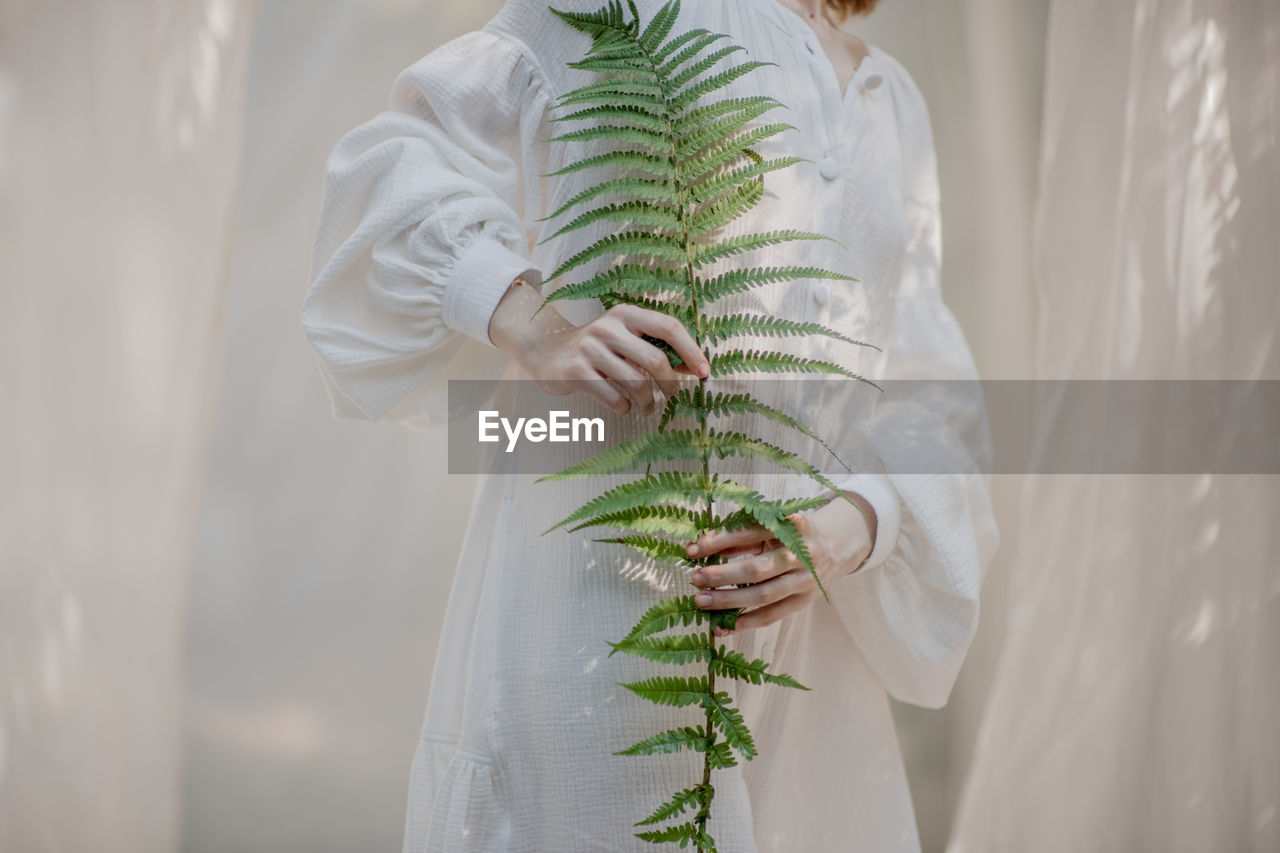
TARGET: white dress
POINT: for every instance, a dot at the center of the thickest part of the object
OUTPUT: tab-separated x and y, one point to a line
430	211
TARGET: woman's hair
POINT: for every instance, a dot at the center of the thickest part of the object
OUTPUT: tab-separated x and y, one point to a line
845	8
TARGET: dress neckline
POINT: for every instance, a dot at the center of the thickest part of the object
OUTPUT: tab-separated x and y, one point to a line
793	24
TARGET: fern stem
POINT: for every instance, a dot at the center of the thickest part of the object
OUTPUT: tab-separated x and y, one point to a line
704	811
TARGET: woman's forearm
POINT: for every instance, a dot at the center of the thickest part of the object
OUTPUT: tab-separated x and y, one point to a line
513	328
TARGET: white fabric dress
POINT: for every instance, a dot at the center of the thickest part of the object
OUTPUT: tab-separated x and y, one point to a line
429	213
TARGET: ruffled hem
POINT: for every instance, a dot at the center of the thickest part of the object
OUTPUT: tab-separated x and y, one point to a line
455	801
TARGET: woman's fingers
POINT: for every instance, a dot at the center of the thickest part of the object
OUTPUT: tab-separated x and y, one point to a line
752	570
595	385
749	550
759	594
715	541
613	349
647	357
633	382
643	321
768	614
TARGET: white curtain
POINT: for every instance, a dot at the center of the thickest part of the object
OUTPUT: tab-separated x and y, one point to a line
1136	703
980	65
324	550
120	130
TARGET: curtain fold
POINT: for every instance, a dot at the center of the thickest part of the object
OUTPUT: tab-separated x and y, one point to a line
119	149
1134	704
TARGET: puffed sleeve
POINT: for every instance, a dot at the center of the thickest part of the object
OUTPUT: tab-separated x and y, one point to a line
912	608
423	227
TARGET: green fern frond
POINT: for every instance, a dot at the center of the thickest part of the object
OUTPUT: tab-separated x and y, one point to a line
616	98
674	690
657	143
676	488
712	131
628	279
681	445
662	550
784	530
739	519
636	188
684	833
720	756
674	521
705	115
696	402
700	42
713	187
695	796
666	488
634	243
636	83
682	488
761	361
627	60
725	209
702	167
632	212
668	613
693	738
596	24
707	85
659	27
680	648
731	663
672	309
638	160
640	117
710	290
703	255
716	329
678	82
728	720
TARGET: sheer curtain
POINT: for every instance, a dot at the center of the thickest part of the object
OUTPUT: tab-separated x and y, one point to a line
119	150
1135	704
980	65
324	551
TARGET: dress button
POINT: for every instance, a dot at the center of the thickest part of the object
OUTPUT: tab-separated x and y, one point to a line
808	45
872	82
820	293
828	167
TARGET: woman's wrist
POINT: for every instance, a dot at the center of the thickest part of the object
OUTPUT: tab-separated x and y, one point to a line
517	324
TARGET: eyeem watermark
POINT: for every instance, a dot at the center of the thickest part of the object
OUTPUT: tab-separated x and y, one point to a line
912	426
557	427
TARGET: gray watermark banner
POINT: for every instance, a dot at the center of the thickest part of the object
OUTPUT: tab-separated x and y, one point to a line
902	427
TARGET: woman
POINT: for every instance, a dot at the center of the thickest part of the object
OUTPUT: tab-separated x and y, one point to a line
427	252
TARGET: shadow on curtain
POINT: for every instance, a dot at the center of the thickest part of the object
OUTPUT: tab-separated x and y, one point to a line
119	155
1135	705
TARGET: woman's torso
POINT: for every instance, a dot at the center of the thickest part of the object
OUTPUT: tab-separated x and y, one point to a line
540	688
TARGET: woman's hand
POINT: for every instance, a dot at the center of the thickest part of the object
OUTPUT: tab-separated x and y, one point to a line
564	358
839	536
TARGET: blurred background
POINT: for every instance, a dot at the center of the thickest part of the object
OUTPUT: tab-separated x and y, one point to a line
219	606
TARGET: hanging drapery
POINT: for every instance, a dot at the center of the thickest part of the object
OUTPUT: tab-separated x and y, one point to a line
119	148
1135	704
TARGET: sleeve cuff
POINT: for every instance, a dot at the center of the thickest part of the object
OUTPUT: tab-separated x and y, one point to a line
883	497
476	286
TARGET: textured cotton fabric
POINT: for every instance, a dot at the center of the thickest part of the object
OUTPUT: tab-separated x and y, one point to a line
430	211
